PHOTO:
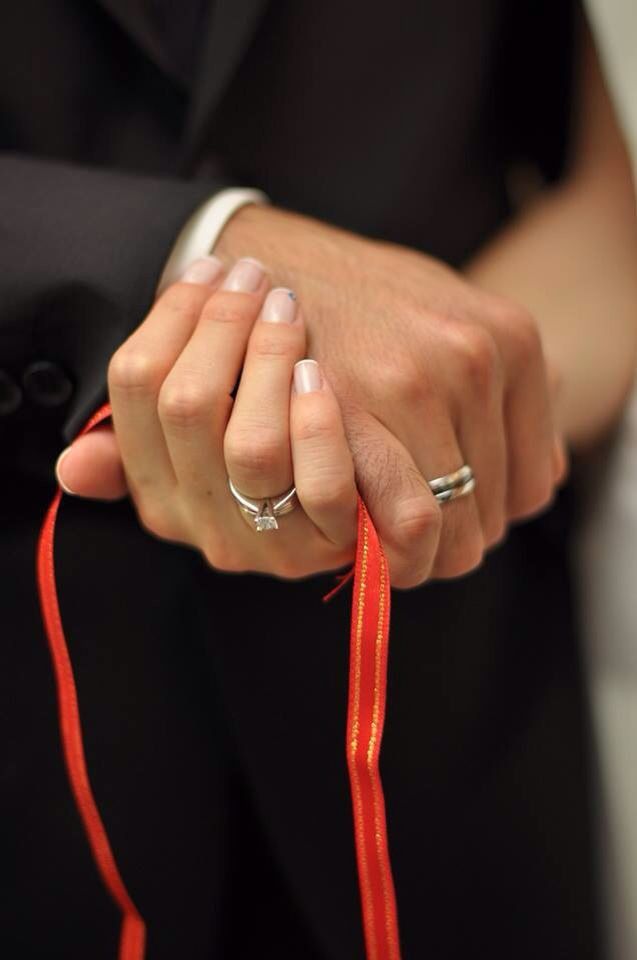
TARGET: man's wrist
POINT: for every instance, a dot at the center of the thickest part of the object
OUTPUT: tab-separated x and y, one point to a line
297	250
266	232
201	233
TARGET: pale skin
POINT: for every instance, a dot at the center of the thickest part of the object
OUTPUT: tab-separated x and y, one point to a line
421	371
200	336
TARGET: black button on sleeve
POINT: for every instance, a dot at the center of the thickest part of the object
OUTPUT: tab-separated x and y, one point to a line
46	384
10	394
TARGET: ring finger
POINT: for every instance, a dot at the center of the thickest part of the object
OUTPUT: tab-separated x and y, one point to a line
461	545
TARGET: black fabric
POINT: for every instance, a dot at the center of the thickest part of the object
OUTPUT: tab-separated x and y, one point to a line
97	273
180	35
214	706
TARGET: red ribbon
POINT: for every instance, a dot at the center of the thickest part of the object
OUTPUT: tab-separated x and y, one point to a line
365	717
369	646
133	931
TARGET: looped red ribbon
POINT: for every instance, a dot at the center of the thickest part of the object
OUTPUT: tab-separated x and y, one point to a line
369	641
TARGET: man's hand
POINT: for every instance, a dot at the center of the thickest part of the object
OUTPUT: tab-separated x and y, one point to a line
430	373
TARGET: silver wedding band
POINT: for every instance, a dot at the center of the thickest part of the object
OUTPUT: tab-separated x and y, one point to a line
264	512
453	485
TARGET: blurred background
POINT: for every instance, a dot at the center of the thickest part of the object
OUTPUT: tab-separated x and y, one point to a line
607	565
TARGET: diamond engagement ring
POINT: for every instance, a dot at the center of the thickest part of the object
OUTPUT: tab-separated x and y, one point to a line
453	485
264	513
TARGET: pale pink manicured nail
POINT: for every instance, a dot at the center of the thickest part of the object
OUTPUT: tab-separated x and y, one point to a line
204	270
307	376
58	463
245	276
279	306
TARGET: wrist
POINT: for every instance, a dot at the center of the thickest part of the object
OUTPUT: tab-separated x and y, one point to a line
272	235
245	233
199	235
298	251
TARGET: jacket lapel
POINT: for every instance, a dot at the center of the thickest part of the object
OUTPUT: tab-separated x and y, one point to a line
132	16
231	26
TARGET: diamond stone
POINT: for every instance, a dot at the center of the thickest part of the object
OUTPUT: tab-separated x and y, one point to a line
265	523
265	519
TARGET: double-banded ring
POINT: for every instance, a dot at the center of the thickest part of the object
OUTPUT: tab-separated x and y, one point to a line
264	513
453	485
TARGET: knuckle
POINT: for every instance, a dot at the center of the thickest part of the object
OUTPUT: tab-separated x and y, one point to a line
407	576
274	343
476	350
532	498
326	492
403	382
182	299
416	518
156	520
220	558
253	452
183	405
133	370
526	338
521	331
229	308
291	568
494	531
316	425
286	568
460	560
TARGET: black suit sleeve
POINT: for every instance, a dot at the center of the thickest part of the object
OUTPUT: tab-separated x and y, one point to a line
81	252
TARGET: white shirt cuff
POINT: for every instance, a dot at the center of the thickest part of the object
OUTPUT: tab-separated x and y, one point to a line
203	229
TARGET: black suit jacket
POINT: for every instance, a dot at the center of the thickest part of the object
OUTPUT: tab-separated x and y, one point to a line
218	769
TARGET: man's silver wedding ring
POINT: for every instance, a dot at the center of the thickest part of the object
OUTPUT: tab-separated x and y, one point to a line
453	485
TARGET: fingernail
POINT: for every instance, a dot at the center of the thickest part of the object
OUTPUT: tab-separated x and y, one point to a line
245	276
279	306
204	270
58	464
307	376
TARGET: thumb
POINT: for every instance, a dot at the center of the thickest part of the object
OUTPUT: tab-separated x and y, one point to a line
403	508
92	466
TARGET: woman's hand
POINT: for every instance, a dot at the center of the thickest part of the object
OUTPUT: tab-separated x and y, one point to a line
181	435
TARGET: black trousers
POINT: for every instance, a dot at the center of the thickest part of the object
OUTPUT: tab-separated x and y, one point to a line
213	710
